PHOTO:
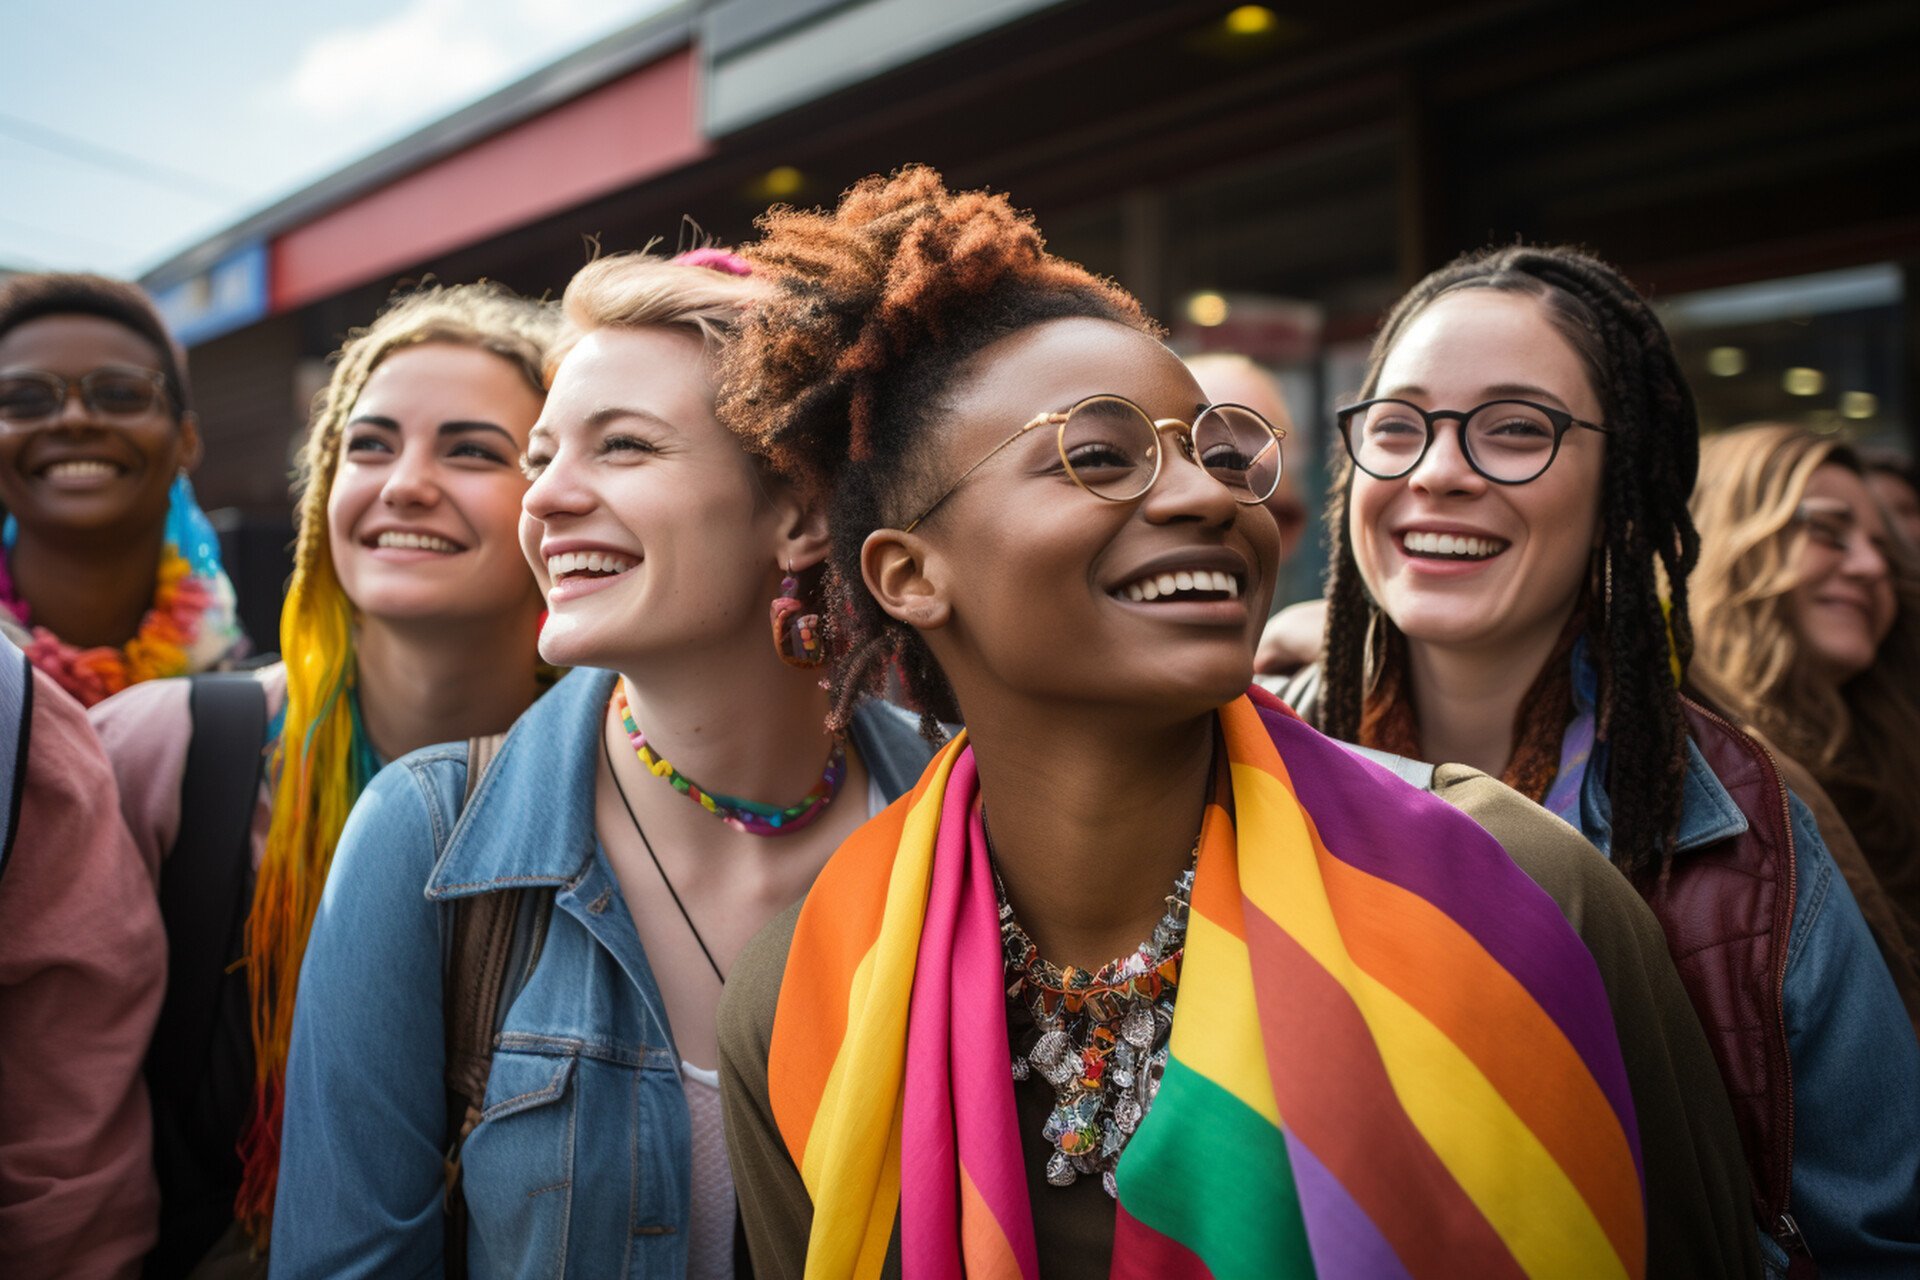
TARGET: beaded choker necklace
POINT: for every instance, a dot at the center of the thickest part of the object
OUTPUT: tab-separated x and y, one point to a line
1101	1036
741	815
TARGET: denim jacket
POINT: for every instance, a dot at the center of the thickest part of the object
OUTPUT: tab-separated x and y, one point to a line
1856	1066
580	1163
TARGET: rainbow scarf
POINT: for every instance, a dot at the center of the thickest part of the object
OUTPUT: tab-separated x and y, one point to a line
1387	1058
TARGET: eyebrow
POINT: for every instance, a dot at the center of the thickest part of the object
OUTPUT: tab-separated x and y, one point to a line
457	427
1500	391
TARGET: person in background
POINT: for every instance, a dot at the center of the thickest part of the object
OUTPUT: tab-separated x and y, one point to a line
82	969
411	619
1895	481
1112	992
1229	378
1809	609
651	814
107	557
1511	562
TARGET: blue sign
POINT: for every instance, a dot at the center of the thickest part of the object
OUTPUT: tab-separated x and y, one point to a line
226	296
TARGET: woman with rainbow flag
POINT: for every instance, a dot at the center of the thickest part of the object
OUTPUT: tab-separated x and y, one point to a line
1345	1035
411	619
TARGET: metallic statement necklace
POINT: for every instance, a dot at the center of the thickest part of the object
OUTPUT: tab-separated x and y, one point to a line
1100	1037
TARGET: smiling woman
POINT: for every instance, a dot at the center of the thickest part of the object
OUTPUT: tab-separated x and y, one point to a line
411	619
1512	556
107	556
1113	992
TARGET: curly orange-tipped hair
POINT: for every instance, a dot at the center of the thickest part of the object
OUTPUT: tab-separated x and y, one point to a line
836	379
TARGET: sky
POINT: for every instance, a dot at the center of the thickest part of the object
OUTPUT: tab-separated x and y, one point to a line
131	129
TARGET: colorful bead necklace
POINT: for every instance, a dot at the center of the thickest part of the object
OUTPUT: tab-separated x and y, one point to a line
187	610
742	815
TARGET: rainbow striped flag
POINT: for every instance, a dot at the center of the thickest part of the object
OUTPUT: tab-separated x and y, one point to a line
1390	1055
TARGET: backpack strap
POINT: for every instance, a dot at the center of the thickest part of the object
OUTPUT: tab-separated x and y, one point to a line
203	885
199	1066
478	959
16	725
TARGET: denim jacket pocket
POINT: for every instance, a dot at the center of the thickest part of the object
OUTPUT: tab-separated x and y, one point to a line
517	1166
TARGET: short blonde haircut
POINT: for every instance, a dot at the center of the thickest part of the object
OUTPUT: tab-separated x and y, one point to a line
641	290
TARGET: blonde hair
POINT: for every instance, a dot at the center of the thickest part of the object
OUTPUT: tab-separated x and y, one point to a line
1862	739
705	292
322	757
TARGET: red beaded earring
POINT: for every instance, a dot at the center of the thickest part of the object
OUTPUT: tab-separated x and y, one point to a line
796	633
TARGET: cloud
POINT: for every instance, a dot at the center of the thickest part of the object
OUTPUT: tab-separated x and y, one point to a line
431	54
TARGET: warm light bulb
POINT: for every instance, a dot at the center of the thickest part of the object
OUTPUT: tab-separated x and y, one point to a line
782	181
1250	20
1207	309
1726	362
1802	381
1859	404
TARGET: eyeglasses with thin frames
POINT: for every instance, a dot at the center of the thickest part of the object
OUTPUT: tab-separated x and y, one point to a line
1110	448
33	398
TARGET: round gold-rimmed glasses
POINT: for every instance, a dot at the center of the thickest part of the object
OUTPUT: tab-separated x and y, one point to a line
1110	447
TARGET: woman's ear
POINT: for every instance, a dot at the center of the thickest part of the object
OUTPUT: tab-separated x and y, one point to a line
189	441
802	525
905	576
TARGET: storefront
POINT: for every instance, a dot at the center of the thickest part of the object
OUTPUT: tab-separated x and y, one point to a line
1264	178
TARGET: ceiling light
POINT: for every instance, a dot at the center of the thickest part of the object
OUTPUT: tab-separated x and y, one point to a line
777	183
1802	381
1251	20
1207	309
1726	362
1859	404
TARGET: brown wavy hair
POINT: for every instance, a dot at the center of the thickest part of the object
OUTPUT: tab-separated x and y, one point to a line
1634	611
1861	739
837	377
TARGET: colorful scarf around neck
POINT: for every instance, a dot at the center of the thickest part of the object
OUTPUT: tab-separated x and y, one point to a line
191	625
1390	1055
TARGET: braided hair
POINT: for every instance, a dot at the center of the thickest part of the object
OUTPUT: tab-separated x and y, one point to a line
837	379
1639	640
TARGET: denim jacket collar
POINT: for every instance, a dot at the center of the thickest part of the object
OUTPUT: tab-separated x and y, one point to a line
503	842
1707	811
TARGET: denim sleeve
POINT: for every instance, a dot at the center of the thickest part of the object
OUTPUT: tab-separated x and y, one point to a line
1856	1080
360	1154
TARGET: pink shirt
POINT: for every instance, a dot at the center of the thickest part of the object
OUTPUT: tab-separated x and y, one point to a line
83	961
145	729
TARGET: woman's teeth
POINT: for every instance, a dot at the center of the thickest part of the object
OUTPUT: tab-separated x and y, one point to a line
599	562
1200	583
416	542
1461	546
80	467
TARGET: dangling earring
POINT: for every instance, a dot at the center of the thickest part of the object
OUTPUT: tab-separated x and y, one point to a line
796	633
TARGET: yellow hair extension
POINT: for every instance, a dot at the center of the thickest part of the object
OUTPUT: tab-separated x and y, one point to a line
317	768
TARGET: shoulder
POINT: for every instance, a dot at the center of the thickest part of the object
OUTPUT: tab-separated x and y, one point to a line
1554	855
752	996
144	718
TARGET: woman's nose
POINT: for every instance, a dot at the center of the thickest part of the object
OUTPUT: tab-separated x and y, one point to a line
1444	467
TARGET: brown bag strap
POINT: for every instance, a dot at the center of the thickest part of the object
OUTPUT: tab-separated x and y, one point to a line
482	940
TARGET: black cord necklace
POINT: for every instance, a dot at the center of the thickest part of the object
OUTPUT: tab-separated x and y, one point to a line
648	845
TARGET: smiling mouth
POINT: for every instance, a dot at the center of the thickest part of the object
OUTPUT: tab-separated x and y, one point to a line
81	469
416	542
577	566
1451	546
1182	584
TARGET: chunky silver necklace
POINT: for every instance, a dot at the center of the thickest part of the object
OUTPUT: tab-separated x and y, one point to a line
1100	1037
